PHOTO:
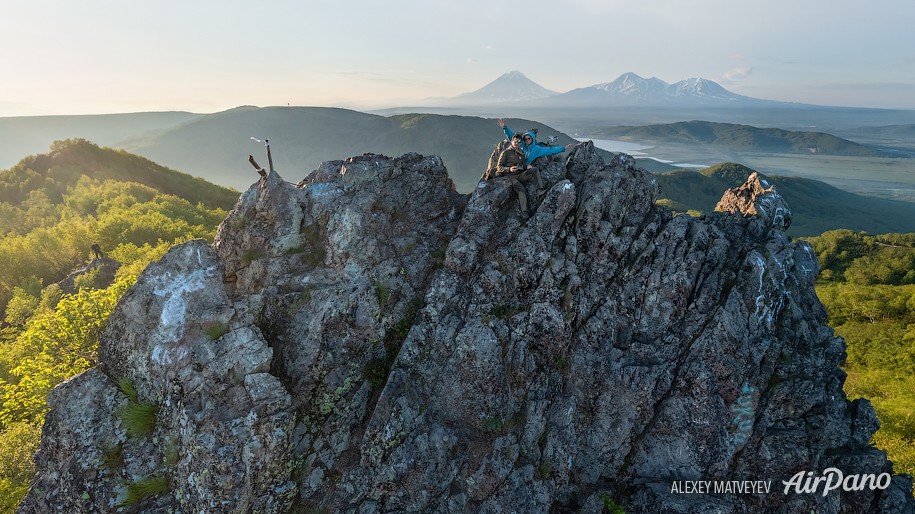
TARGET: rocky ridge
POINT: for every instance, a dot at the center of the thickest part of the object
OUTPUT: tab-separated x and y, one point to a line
371	341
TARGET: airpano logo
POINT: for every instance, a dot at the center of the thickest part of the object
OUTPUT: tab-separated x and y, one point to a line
832	479
803	482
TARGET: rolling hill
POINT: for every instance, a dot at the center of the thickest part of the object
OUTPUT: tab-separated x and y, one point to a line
216	146
816	206
742	138
24	135
52	173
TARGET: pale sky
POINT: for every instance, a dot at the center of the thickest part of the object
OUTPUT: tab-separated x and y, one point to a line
101	56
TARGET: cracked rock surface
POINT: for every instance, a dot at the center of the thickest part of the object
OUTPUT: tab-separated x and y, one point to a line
371	341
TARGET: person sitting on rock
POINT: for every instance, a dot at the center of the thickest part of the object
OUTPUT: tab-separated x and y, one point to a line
529	144
511	165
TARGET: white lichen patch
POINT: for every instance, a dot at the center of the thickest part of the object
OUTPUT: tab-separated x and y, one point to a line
173	288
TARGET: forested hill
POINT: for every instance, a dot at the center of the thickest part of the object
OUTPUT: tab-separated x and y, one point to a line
743	138
67	161
53	206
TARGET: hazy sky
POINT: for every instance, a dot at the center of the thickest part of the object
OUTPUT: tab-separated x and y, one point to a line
99	56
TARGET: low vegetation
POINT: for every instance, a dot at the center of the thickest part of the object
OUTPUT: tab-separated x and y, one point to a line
867	284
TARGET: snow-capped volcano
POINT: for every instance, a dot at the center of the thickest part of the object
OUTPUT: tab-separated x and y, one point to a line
631	89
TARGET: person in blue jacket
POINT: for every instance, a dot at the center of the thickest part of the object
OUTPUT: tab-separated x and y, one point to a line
529	144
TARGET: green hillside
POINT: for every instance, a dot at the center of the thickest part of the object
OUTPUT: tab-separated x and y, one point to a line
815	206
217	146
743	138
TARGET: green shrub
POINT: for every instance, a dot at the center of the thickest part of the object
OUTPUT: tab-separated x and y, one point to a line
113	458
144	488
215	329
383	292
125	385
611	505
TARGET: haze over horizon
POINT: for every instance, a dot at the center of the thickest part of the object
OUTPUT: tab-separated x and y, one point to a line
101	56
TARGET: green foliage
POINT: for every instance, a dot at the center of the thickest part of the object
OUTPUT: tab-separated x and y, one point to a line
215	329
611	505
125	385
54	346
138	418
494	424
116	215
68	161
18	442
144	488
503	311
113	458
865	285
383	292
87	280
251	255
20	307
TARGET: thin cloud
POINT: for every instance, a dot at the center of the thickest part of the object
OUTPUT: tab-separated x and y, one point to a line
736	74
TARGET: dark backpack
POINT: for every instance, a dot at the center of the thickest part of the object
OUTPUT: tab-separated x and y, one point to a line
494	159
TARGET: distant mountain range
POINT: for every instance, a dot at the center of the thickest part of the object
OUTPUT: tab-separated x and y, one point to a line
627	90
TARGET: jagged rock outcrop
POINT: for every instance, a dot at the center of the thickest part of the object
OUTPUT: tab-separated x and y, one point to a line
371	341
756	197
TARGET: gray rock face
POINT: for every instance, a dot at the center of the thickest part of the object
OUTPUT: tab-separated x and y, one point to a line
371	341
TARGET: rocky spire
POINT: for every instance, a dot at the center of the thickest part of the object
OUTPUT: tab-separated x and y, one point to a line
372	341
